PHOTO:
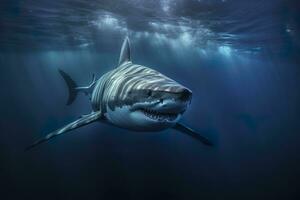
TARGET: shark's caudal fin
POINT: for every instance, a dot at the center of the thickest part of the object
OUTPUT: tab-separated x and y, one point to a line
186	130
84	120
71	86
74	89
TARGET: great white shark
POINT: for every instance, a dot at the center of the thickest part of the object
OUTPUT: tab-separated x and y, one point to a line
133	97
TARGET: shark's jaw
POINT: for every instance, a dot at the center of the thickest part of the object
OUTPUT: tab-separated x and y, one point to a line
153	115
159	116
161	111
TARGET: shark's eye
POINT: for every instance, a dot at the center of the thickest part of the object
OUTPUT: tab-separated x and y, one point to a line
149	93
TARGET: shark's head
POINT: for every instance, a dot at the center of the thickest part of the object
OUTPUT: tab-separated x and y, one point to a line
146	100
140	98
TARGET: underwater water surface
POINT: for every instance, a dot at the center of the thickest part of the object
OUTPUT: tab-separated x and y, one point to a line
240	58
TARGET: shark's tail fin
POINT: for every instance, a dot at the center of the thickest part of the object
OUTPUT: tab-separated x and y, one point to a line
71	86
74	89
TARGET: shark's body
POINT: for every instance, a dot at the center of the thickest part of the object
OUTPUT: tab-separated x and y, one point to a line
133	97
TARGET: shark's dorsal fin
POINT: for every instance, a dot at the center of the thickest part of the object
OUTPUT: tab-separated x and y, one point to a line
125	52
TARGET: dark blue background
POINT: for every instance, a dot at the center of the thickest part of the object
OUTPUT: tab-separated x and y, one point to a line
244	74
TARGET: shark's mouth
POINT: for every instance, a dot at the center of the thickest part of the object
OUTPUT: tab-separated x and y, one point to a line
159	116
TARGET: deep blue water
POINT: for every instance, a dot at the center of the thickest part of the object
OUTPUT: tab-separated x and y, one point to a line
240	58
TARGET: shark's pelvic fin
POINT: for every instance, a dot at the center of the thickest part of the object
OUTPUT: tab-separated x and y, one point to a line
186	130
84	120
74	89
125	52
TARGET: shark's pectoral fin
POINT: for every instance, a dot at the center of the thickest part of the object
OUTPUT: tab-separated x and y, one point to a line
186	130
84	120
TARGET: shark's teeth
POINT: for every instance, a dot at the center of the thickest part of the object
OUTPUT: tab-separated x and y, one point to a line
159	116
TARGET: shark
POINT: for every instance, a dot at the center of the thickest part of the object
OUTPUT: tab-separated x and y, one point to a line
133	97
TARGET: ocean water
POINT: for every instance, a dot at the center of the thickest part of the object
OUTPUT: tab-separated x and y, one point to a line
240	58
